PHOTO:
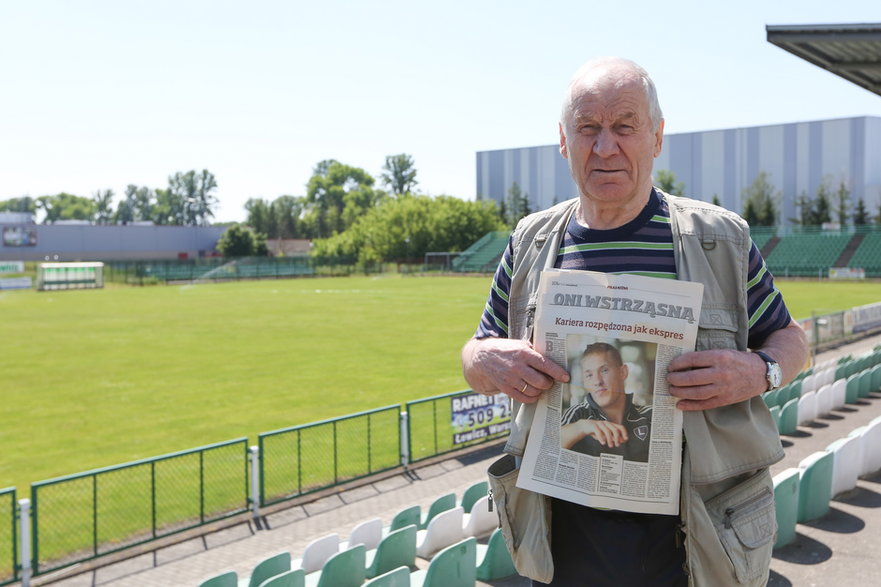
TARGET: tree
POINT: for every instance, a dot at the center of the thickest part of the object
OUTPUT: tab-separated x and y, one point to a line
404	229
399	174
666	180
103	206
822	207
517	204
24	204
759	201
241	241
842	200
861	214
337	195
716	201
192	195
65	206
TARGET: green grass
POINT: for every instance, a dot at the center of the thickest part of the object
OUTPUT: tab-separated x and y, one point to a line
101	377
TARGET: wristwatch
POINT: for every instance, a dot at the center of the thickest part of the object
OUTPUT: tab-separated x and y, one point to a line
774	375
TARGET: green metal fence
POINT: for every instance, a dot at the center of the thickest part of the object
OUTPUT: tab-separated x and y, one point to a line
303	459
211	269
80	517
8	540
436	425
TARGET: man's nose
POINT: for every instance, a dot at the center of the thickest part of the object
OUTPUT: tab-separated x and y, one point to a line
606	143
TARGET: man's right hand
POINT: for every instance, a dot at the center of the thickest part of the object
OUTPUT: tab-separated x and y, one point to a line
510	366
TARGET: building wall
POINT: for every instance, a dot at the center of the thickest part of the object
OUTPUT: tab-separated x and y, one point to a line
797	157
110	243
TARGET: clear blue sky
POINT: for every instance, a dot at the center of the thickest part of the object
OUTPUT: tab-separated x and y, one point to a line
97	94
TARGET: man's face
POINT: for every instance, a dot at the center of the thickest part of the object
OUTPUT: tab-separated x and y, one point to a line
603	378
610	142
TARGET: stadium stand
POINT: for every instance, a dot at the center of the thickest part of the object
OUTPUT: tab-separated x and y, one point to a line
815	485
317	552
399	577
228	579
292	578
482	256
454	566
443	530
493	559
344	569
868	254
807	254
472	494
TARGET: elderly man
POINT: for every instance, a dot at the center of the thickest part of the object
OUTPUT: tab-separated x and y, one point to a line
607	420
610	132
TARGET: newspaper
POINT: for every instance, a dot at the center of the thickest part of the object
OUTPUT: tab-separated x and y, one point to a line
611	437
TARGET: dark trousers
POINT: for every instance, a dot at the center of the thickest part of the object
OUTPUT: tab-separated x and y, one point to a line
605	548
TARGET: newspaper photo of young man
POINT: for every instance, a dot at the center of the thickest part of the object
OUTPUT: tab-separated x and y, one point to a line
608	408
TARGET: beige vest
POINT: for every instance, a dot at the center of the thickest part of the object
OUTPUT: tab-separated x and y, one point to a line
711	246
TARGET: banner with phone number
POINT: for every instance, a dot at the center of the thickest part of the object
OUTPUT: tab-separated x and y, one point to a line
476	416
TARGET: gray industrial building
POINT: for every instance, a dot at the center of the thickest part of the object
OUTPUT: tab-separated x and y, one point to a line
23	240
797	158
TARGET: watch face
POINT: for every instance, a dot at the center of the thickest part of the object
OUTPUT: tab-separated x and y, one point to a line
775	376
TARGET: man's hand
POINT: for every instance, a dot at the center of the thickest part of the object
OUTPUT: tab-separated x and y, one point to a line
509	366
605	432
708	379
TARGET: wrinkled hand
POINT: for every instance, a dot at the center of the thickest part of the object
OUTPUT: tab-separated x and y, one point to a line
510	366
708	379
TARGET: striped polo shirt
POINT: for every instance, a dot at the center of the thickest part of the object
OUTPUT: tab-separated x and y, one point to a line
643	246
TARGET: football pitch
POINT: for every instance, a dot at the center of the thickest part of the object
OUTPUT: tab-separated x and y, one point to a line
94	378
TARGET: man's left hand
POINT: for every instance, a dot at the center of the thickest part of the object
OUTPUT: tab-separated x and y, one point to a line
708	379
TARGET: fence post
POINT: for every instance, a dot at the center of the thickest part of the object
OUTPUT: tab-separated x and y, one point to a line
255	482
24	517
405	439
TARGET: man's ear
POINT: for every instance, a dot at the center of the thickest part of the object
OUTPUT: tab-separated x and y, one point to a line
659	139
563	151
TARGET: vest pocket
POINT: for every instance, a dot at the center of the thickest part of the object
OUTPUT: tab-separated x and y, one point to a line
525	520
717	329
744	519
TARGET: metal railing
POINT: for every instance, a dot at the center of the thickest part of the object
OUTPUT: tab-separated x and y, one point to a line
80	517
303	459
8	542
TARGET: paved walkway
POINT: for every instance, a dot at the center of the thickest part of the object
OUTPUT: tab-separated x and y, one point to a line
840	548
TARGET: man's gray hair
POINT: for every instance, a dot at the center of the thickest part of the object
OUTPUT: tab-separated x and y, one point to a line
651	92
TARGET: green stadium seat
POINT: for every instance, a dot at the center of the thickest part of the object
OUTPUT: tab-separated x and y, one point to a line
815	485
494	560
404	518
865	383
399	577
441	504
472	494
229	579
786	486
852	392
292	578
344	569
789	417
454	566
268	568
398	549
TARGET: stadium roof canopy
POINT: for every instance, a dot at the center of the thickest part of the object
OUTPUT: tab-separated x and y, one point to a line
852	51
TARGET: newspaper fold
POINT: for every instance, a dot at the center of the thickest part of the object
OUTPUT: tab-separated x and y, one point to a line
612	436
